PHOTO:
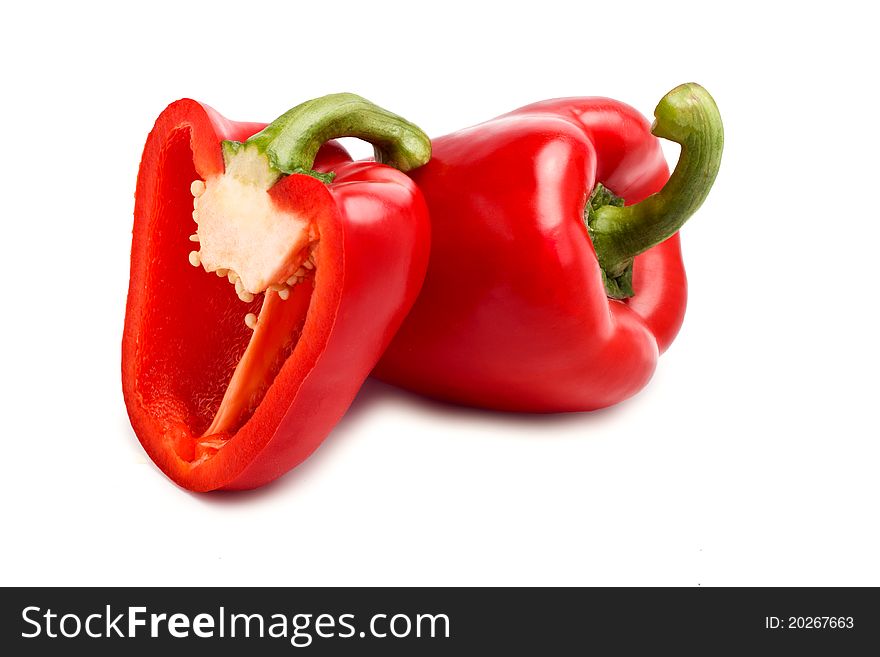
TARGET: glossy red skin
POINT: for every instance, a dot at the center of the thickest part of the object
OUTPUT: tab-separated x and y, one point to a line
513	314
184	329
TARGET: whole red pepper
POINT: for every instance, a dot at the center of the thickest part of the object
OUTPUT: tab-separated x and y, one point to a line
231	387
542	293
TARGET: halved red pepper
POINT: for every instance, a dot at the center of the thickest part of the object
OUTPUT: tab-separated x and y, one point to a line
543	293
232	387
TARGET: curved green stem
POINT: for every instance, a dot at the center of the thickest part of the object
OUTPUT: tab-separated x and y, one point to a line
292	141
686	115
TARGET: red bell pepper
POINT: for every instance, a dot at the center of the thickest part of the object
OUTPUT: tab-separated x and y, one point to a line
230	388
543	294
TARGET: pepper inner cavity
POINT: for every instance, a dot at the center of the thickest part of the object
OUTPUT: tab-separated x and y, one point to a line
260	248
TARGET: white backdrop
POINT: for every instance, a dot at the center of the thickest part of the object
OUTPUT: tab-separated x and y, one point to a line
751	458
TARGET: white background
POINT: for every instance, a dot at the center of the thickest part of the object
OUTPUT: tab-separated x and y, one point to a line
751	458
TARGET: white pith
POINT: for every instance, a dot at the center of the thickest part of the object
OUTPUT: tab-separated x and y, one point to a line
243	236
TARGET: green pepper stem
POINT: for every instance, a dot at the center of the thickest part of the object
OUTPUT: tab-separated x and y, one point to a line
686	115
292	141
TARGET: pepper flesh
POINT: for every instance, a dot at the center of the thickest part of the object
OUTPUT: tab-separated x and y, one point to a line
186	348
515	311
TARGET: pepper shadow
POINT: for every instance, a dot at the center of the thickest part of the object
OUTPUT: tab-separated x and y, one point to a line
375	396
444	409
